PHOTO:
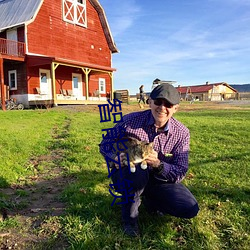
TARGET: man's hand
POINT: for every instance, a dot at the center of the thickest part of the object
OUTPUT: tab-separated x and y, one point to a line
152	160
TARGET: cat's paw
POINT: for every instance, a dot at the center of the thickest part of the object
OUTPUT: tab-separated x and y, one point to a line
125	162
132	169
144	166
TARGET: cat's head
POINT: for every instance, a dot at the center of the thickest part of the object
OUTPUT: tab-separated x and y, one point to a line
142	148
147	148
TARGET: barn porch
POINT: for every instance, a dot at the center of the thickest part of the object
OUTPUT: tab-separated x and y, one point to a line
50	103
61	91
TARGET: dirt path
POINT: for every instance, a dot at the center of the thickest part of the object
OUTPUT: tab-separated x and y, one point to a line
184	106
34	203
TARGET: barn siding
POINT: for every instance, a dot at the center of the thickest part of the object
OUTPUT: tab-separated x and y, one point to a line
3	34
21	77
20	34
50	35
64	79
33	78
94	79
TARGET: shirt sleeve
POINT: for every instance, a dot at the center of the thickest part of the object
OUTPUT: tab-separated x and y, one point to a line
175	169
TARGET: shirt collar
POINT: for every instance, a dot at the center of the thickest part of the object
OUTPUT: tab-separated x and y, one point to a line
167	126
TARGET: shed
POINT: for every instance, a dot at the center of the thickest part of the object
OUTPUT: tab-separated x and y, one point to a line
122	95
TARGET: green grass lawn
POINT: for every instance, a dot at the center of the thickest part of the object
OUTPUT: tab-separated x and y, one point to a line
218	176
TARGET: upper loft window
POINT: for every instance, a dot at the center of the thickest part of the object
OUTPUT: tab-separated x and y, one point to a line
74	11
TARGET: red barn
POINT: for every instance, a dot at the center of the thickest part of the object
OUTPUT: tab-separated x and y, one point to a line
56	52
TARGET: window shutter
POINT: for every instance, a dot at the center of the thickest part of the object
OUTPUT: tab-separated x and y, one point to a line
81	14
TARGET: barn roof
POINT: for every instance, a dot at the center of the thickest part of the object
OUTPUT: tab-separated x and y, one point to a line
201	88
18	12
105	25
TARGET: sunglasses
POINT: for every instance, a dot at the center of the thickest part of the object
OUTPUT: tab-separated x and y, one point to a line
159	102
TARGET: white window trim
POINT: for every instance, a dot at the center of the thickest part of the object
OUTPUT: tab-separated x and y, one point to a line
79	15
102	81
9	73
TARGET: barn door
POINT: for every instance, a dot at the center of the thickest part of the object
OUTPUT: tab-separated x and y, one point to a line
45	83
12	48
77	85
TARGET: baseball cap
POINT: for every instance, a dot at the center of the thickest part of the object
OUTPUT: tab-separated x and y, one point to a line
166	91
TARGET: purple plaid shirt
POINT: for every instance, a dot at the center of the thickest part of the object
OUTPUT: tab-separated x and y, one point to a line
172	145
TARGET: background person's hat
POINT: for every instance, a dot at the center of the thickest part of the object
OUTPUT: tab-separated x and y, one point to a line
166	91
157	80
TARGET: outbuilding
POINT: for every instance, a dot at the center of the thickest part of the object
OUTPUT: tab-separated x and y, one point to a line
207	92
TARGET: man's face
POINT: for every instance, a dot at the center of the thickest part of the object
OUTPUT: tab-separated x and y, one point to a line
162	110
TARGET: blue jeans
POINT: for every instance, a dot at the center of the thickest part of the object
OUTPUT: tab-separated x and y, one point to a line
168	198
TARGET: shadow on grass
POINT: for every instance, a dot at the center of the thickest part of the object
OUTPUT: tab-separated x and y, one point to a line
3	182
214	159
227	210
221	193
217	113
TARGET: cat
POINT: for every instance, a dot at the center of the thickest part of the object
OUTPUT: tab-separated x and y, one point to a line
137	151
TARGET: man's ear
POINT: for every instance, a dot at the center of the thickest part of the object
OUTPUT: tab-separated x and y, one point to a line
149	101
176	107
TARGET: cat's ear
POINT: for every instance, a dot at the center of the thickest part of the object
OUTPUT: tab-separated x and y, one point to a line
151	144
131	139
123	138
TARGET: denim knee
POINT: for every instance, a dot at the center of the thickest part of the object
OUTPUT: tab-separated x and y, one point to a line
191	212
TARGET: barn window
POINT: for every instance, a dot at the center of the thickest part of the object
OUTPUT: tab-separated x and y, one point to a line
43	77
102	86
74	11
12	80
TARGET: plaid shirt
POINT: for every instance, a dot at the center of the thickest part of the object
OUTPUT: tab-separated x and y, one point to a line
172	144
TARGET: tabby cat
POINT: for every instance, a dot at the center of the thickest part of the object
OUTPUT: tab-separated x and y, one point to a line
137	151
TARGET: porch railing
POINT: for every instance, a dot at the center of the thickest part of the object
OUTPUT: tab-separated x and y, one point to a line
12	48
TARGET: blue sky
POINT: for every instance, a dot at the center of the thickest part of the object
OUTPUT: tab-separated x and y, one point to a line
188	41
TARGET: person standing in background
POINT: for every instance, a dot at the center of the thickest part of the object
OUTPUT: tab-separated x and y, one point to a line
142	98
